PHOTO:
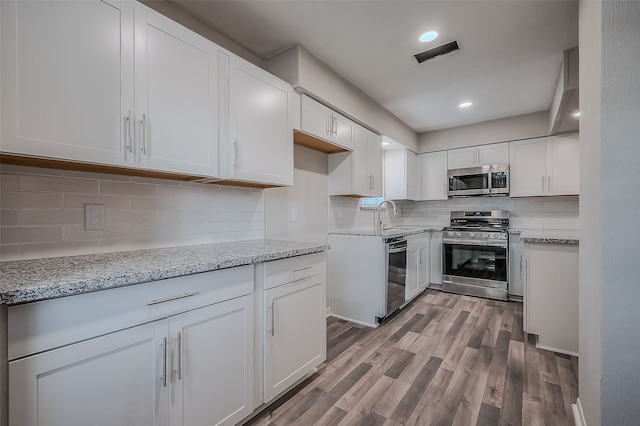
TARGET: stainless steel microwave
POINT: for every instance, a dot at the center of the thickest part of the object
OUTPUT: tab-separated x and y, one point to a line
482	180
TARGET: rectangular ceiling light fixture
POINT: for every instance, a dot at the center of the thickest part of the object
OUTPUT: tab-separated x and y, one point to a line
437	51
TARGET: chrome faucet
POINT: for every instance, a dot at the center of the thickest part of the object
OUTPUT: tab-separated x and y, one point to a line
378	224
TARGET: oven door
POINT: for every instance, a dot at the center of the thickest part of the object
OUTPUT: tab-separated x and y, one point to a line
476	267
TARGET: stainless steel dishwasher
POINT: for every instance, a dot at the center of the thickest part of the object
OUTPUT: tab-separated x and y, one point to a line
396	273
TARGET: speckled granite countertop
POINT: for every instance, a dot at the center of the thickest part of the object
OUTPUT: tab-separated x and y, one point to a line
550	236
40	279
388	233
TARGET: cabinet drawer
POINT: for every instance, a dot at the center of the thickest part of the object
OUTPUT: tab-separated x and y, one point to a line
284	271
39	326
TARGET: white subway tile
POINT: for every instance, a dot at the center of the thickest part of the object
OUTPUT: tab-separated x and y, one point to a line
251	235
30	200
33	183
37	251
180	192
110	231
77	201
127	188
9	252
9	182
130	216
10	217
31	234
52	217
128	244
219	237
179	240
180	216
155	181
154	204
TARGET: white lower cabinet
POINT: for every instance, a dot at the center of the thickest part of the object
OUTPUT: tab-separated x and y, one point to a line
418	264
551	296
295	321
192	368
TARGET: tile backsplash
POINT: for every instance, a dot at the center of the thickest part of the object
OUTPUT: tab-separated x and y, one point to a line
42	213
526	213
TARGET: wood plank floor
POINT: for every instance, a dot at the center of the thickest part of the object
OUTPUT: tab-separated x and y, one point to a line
443	360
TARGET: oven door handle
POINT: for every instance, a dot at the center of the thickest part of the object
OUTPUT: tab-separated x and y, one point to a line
397	249
483	243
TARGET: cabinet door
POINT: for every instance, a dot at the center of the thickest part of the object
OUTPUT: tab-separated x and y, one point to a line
413	265
374	164
424	266
176	96
436	257
67	79
110	380
528	167
343	131
360	175
212	364
295	340
315	118
413	176
434	175
516	284
462	157
563	153
497	153
260	125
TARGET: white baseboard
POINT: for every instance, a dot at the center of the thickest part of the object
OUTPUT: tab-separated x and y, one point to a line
552	349
352	320
578	415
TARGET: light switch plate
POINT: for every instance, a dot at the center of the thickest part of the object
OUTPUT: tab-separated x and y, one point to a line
294	214
93	217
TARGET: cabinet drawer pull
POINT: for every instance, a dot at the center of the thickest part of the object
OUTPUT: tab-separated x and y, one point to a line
168	299
164	362
143	135
270	309
303	268
127	135
179	344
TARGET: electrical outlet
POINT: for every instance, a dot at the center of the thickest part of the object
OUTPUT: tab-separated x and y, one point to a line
294	214
93	217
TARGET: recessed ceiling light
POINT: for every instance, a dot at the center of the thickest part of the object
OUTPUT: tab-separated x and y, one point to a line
576	114
465	104
428	36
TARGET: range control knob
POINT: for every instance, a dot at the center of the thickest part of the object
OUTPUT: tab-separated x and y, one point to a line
485	235
458	234
472	234
450	233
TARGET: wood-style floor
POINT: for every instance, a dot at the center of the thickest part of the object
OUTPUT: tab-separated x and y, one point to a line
443	360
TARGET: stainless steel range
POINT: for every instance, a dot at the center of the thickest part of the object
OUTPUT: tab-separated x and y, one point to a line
475	254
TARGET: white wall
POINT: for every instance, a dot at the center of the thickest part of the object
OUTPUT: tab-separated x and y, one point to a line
42	213
609	290
309	195
505	129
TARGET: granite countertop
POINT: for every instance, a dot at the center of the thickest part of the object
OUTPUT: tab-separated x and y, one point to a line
389	232
547	236
40	279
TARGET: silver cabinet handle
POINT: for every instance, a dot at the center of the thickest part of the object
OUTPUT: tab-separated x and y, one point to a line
335	126
303	268
235	155
273	314
168	299
327	126
127	135
164	363
143	135
179	346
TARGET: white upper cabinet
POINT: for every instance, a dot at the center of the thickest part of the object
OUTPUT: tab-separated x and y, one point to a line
359	172
259	147
322	122
402	175
176	117
545	166
85	93
67	79
434	175
497	153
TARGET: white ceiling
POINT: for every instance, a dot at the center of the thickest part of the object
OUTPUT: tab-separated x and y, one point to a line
508	64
